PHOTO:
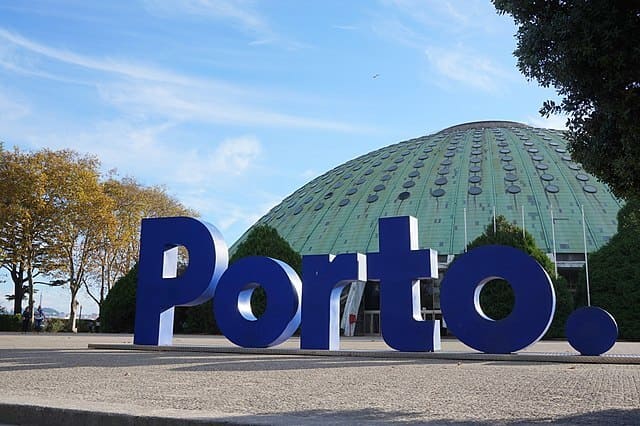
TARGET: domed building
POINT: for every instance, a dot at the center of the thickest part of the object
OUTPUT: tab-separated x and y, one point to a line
455	182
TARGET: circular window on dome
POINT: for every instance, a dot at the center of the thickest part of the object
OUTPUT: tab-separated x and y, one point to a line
351	191
532	150
360	181
379	187
476	146
507	158
280	215
553	143
537	157
505	151
475	179
423	157
475	160
449	154
445	162
582	177
343	202
441	181
476	152
347	176
398	160
513	189
318	206
542	166
418	164
438	192
510	177
408	184
414	174
553	189
385	155
392	168
385	178
574	166
528	144
328	195
590	189
443	171
372	198
451	148
405	153
427	150
475	190
404	195
566	158
547	177
561	150
297	210
337	185
368	172
357	167
339	172
502	144
308	200
475	169
376	163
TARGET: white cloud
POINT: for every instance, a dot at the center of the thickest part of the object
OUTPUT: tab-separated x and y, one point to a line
240	13
11	108
147	91
553	122
468	68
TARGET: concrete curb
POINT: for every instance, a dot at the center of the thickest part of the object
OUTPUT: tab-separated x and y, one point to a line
631	359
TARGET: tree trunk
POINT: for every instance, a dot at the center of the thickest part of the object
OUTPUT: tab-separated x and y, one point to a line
17	276
72	326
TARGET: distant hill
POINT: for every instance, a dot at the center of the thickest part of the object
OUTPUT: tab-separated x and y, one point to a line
52	313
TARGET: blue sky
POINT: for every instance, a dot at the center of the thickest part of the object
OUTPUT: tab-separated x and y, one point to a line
234	104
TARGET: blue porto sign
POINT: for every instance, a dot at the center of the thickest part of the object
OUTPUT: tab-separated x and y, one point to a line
313	302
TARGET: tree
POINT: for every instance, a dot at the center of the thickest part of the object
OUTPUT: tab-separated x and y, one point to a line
27	215
614	272
119	243
82	211
497	297
590	52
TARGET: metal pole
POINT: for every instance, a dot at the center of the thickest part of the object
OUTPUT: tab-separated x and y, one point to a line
523	225
586	262
464	211
494	220
553	239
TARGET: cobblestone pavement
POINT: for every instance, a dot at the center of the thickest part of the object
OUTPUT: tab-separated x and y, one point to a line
58	371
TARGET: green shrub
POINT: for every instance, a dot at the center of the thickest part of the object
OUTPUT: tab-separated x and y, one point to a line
497	300
10	322
119	307
614	274
55	325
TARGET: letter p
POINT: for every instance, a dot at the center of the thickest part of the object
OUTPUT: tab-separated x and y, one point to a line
160	288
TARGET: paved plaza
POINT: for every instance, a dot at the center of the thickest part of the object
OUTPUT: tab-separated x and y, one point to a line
55	379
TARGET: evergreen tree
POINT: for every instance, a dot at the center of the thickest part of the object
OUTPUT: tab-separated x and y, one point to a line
614	274
497	296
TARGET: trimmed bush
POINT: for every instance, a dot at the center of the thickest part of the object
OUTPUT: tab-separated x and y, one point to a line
10	322
119	307
497	300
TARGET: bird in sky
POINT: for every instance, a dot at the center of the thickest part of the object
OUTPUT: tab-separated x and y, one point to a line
376	75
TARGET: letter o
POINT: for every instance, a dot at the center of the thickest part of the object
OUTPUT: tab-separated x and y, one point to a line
232	307
533	308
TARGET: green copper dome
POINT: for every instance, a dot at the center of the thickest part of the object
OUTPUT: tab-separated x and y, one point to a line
468	169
